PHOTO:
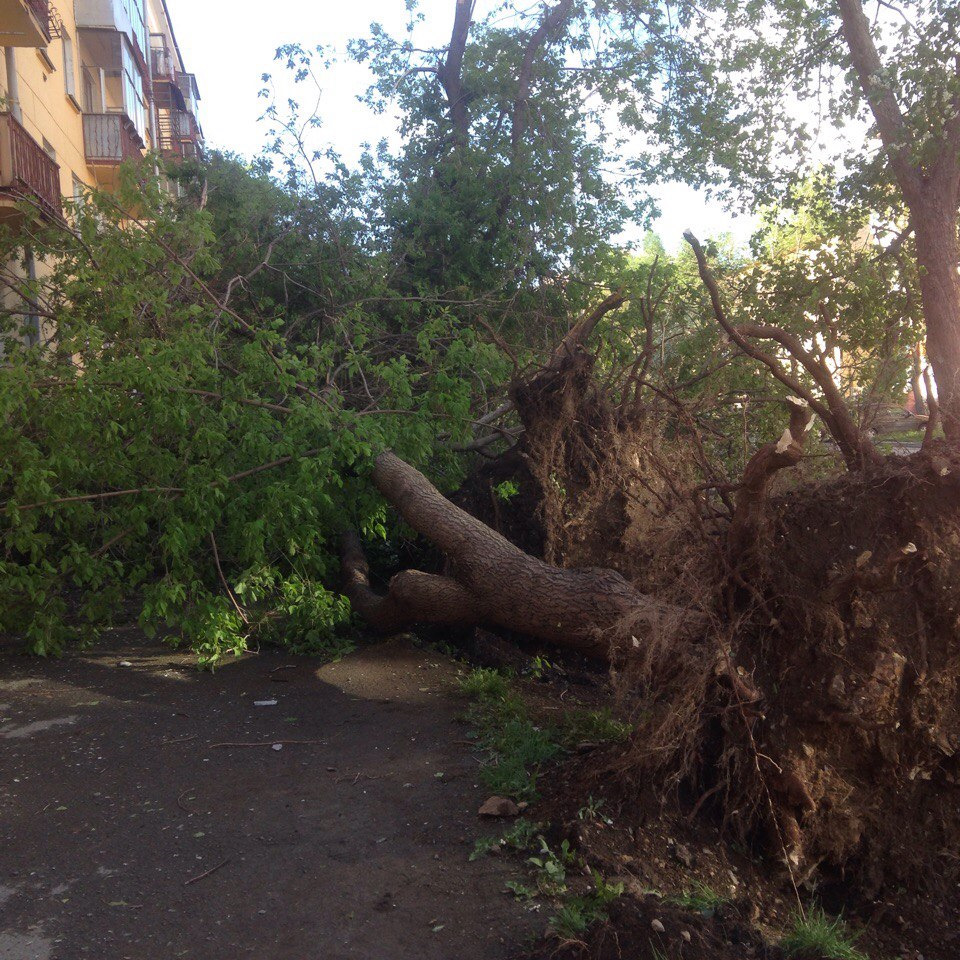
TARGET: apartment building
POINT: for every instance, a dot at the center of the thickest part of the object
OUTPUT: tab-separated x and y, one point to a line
85	85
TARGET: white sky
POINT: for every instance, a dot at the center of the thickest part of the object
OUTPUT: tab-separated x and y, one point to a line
229	45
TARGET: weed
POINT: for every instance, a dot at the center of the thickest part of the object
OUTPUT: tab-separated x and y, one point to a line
817	935
484	845
702	898
539	667
518	750
520	890
552	868
591	811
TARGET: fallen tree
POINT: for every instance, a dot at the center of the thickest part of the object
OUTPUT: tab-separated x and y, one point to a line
493	582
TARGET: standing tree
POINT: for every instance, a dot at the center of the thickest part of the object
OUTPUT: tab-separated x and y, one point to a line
796	73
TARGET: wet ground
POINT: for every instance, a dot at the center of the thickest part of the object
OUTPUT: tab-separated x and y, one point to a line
151	811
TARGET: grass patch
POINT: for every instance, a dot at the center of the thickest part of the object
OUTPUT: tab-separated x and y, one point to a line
702	898
819	935
517	747
593	726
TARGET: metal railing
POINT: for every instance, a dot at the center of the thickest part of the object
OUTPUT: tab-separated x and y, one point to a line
178	134
26	170
110	138
41	10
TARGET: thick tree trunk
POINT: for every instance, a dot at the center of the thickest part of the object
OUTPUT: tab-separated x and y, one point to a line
495	583
938	251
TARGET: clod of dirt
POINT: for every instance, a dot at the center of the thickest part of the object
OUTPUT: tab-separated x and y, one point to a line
498	807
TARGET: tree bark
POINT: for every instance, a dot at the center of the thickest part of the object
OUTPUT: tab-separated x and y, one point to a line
451	72
494	583
932	195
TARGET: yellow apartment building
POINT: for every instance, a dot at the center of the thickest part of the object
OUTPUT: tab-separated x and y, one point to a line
85	85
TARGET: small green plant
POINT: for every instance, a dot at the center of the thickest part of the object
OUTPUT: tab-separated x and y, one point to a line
578	914
520	890
484	845
539	667
519	837
818	935
702	898
591	811
522	834
506	490
551	867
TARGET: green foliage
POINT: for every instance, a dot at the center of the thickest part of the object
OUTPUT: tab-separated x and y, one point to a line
817	936
551	867
517	747
591	810
506	490
178	445
485	685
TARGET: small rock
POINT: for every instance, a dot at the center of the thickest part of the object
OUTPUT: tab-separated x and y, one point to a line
264	703
657	926
685	934
498	807
683	855
278	746
124	663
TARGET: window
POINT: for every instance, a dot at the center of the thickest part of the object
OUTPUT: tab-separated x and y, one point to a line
69	66
79	191
48	149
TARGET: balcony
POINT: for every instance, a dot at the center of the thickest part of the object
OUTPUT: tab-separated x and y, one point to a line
109	139
24	23
163	67
26	172
179	134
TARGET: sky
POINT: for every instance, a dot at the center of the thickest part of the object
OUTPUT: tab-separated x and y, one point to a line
230	45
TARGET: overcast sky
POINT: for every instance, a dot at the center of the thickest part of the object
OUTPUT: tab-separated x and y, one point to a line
229	46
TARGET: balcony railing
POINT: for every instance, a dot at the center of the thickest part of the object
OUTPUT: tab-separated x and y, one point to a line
25	23
110	138
26	172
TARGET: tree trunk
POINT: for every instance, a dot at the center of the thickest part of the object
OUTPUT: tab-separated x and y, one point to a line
493	582
938	251
932	193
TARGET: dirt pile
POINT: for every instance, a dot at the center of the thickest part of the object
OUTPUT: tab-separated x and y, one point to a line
854	651
820	721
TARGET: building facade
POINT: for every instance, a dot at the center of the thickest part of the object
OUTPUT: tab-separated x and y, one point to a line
85	85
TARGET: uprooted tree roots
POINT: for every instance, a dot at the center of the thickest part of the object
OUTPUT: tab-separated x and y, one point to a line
794	667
